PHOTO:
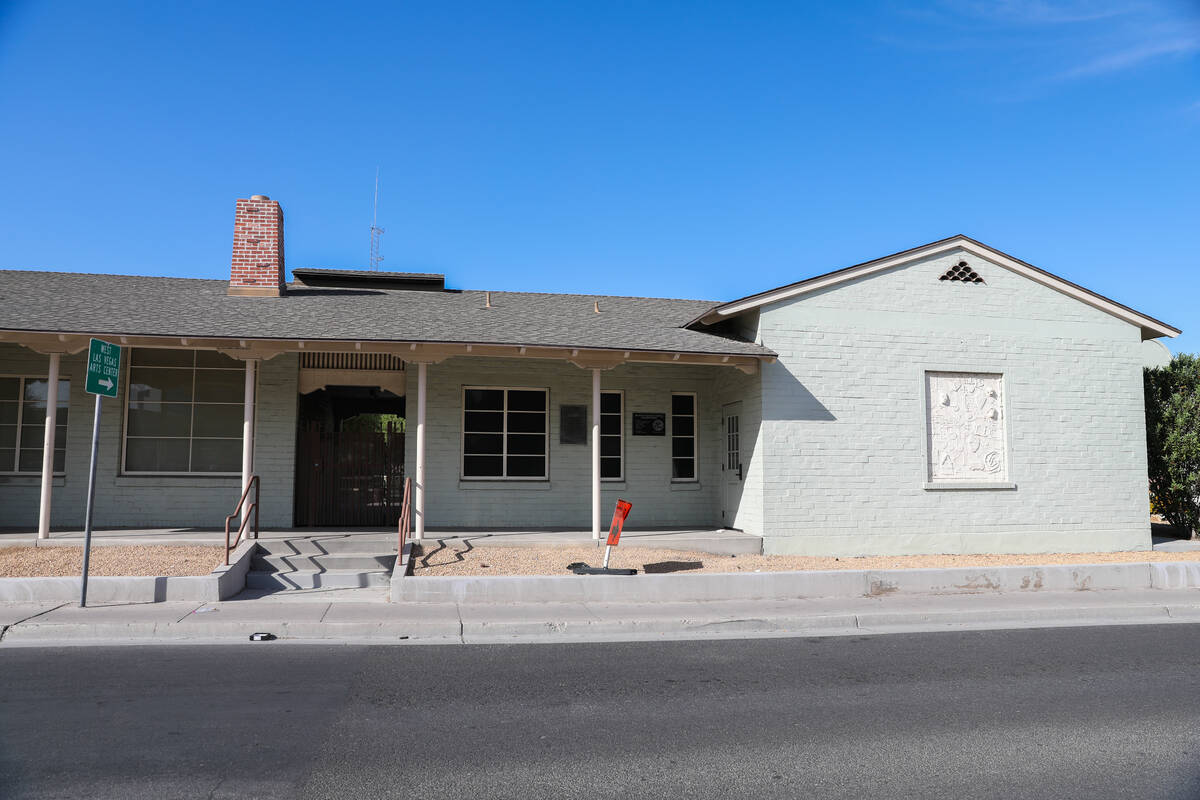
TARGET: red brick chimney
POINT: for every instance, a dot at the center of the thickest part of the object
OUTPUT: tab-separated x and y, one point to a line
257	267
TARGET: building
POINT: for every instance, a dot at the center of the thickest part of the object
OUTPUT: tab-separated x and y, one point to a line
948	398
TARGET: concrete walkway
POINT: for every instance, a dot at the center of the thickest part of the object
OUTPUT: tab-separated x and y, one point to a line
352	617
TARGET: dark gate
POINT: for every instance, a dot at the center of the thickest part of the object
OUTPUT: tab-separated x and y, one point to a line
349	477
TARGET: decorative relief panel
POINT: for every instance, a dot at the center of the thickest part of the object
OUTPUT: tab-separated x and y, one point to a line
965	426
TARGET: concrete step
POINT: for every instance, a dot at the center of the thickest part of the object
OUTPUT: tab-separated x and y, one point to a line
366	562
314	579
372	544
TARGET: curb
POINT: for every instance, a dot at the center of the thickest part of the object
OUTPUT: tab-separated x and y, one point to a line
793	585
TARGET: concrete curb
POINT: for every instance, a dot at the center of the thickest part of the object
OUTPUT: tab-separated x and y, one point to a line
224	582
794	585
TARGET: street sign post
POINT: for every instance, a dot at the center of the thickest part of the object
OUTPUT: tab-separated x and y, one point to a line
103	377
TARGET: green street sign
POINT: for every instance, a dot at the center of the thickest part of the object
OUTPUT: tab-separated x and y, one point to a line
104	368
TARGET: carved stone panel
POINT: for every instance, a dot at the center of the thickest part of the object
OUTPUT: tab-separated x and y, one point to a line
965	426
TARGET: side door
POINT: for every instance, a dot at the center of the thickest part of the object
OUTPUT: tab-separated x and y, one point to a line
731	462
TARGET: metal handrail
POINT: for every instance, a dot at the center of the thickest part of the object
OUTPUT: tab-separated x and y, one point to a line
251	484
405	517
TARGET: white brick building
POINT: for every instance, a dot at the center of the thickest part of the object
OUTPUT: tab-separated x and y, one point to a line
945	399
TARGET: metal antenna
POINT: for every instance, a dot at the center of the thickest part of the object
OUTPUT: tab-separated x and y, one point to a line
376	231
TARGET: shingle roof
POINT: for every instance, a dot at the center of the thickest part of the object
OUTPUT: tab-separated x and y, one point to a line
187	307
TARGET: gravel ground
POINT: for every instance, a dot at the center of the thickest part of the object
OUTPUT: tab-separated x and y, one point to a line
457	558
35	562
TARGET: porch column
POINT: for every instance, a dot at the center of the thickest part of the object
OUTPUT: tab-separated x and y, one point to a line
419	496
248	423
596	454
48	447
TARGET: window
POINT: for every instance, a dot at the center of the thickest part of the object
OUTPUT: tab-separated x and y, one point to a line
504	433
184	412
612	444
683	437
23	424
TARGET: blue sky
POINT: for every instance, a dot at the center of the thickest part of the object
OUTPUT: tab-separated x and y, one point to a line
681	149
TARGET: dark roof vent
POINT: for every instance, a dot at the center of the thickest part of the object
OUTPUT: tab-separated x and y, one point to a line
961	272
370	279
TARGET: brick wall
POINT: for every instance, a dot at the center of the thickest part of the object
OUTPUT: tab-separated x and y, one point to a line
565	499
844	425
147	500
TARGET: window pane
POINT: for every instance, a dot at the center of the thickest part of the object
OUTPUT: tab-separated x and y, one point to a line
211	358
683	404
217	421
159	419
10	389
483	422
31	461
526	423
64	397
483	444
610	403
683	468
60	460
220	386
8	457
482	466
216	455
610	446
683	448
610	424
683	426
156	455
33	435
610	468
527	445
521	400
152	357
484	399
8	438
8	413
160	385
526	466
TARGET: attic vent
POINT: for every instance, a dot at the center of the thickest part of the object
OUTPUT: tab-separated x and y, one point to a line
961	272
360	361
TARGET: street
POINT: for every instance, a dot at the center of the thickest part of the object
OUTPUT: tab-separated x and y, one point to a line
1065	713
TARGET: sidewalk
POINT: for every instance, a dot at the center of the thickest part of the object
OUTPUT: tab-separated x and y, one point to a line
344	617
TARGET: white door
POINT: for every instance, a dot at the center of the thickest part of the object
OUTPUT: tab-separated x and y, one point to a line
731	463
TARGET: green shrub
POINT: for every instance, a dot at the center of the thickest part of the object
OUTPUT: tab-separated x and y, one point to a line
1173	440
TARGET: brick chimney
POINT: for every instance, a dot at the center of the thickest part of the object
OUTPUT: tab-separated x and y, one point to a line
257	266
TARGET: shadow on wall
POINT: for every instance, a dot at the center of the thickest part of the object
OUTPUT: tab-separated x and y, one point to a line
786	398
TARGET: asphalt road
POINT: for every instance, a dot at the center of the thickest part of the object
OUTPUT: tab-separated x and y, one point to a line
1061	713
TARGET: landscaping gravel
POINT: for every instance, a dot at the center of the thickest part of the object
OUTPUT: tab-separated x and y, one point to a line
458	558
36	562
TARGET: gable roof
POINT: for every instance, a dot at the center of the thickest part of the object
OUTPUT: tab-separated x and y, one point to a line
1151	327
79	303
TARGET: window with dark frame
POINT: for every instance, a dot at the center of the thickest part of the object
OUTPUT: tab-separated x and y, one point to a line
23	424
612	450
184	411
683	437
504	433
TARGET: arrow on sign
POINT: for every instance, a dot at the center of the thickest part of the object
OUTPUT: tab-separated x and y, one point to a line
106	383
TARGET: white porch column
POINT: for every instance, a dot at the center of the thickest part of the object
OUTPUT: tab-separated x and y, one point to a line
419	498
248	423
48	447
596	454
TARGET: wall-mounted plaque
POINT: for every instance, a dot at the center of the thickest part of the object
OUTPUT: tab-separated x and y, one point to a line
572	427
650	424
